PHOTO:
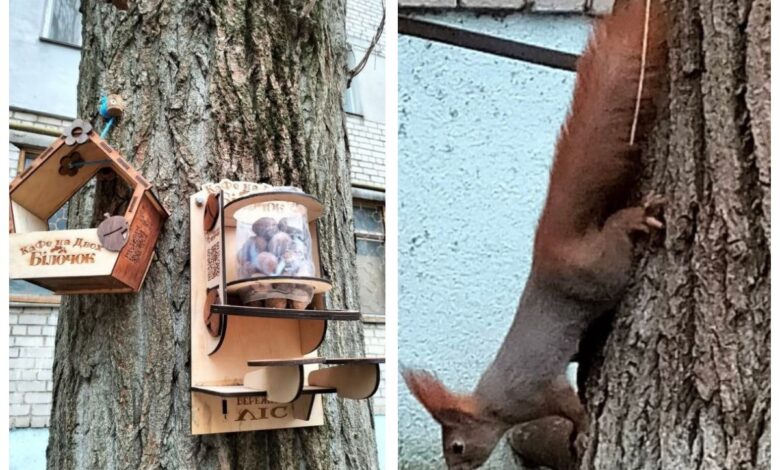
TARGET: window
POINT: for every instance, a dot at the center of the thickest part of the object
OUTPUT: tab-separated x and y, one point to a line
62	22
26	157
370	244
351	94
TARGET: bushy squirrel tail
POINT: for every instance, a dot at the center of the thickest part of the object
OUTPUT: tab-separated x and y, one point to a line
595	165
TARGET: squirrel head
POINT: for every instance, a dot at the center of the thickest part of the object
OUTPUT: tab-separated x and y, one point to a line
468	437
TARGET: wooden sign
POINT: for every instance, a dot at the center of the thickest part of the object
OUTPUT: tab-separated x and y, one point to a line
256	367
115	256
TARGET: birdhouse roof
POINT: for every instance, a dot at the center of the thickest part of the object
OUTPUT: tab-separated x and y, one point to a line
51	181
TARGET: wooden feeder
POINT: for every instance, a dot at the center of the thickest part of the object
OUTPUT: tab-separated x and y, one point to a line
255	367
112	258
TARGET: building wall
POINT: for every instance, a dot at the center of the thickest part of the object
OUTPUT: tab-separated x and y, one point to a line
367	131
374	330
43	76
33	328
476	136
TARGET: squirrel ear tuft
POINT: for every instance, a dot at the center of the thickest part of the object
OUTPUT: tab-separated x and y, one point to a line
435	397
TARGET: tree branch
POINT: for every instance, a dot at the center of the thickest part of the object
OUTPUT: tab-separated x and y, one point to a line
359	67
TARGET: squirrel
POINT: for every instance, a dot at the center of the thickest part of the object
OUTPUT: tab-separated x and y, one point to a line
583	248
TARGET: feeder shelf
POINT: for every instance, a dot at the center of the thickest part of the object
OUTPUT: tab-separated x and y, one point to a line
309	314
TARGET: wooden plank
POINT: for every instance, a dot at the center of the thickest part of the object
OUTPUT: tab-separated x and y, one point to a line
58	188
294	361
232	391
319	285
21	177
311	203
246	412
283	383
248	311
83	285
25	221
214	233
354	360
59	254
135	257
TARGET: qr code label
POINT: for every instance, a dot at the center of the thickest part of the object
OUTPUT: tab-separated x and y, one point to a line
213	261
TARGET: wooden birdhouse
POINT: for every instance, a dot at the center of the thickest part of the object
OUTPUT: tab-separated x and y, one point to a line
112	258
258	313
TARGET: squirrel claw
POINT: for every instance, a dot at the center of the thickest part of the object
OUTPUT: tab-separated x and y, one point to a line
653	202
654	223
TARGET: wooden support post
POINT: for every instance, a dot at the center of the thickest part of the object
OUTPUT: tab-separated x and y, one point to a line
356	381
283	384
302	407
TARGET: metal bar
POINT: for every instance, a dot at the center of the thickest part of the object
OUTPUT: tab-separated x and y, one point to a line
485	43
17	126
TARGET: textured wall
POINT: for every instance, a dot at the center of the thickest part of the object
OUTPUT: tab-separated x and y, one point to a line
43	76
31	354
476	134
366	131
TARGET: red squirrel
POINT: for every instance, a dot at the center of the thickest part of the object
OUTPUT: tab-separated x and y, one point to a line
583	249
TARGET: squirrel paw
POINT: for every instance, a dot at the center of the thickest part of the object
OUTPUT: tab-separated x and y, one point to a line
578	443
645	217
653	204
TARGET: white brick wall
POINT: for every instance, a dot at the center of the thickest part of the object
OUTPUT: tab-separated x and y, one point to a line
13	160
367	146
366	138
375	346
33	328
363	17
39	123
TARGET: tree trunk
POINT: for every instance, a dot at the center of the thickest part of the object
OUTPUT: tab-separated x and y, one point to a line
682	380
239	89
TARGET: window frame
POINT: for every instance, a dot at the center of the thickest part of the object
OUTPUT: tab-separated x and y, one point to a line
371	317
24	150
46	28
352	91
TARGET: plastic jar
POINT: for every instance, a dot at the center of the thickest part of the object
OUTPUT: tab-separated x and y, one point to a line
273	241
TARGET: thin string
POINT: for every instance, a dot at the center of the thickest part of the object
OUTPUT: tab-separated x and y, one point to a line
107	128
641	73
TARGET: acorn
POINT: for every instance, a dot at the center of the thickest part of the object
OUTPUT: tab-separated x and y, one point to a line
266	263
299	305
279	244
276	303
247	255
265	227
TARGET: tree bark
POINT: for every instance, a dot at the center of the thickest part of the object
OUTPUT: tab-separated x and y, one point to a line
682	380
239	89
